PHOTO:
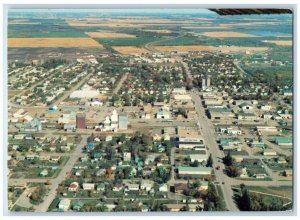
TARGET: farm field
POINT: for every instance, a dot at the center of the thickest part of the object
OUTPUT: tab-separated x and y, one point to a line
158	31
232	49
109	35
138	42
130	50
53	42
227	34
280	42
119	24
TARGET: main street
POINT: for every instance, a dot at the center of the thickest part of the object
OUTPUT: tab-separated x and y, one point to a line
207	131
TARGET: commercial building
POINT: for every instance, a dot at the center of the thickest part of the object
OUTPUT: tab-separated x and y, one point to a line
194	170
123	122
198	157
284	141
220	113
266	129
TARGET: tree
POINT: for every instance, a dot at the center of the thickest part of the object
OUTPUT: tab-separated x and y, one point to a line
195	163
209	162
87	207
109	172
228	160
127	171
233	171
101	208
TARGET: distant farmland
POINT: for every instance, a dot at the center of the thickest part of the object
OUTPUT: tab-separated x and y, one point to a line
53	42
224	49
280	42
138	42
109	35
225	34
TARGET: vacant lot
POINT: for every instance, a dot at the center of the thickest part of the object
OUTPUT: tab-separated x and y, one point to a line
128	50
226	34
109	35
284	191
280	42
53	42
224	49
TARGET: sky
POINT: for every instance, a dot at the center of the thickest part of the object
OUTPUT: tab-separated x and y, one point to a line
133	11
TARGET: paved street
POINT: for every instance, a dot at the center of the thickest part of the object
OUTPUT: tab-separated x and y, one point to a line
120	83
43	207
207	131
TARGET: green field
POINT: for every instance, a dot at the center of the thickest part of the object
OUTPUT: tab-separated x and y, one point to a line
184	40
138	42
284	191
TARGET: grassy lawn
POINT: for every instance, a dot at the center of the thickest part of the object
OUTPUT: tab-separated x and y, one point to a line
220	193
285	191
17	208
35	173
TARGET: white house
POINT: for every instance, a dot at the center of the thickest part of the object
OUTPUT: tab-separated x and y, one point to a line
266	107
73	187
164	113
96	103
88	186
126	156
64	204
146	185
163	188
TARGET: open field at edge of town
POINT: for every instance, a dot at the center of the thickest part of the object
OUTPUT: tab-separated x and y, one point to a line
126	50
226	34
280	42
53	42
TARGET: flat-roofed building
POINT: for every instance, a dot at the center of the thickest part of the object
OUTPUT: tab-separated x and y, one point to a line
284	141
194	171
220	113
182	97
186	131
266	129
198	157
179	91
123	122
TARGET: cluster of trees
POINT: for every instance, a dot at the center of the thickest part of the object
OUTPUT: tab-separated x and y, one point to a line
232	169
255	202
123	173
212	201
192	190
161	175
37	195
53	63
